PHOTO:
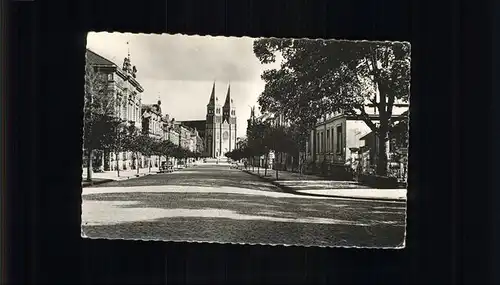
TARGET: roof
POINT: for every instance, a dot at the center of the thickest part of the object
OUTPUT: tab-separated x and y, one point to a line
96	59
366	136
196	124
229	101
212	96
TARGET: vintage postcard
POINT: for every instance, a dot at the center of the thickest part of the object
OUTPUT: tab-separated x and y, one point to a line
245	140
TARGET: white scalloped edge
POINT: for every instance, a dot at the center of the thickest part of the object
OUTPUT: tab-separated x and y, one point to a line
252	38
188	241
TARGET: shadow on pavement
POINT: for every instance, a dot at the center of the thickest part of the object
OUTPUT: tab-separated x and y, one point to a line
361	212
291	191
225	230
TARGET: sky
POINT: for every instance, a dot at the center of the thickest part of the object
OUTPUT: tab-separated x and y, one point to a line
180	70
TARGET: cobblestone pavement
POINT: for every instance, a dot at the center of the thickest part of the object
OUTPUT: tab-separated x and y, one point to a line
219	204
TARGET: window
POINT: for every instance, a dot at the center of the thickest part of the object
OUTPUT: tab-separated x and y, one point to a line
339	139
332	144
218	111
110	76
317	143
327	139
321	143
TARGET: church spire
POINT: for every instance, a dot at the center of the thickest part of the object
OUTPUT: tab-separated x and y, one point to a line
212	96
228	102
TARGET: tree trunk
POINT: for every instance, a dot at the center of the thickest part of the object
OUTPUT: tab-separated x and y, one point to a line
89	165
149	163
266	164
258	167
117	164
137	162
276	167
382	151
106	160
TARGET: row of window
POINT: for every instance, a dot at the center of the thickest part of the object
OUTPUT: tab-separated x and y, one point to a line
329	141
210	111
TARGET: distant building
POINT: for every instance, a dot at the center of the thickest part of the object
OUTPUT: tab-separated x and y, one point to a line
170	131
152	120
198	125
184	136
220	128
152	125
197	144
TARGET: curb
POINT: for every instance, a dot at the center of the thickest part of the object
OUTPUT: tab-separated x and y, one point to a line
291	191
119	179
93	183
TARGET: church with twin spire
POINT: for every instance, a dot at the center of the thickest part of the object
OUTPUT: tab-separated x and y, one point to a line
220	126
218	130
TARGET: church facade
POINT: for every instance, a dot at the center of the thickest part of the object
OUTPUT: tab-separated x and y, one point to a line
220	125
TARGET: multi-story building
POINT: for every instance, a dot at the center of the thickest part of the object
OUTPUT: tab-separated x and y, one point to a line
220	128
152	125
127	93
152	120
184	136
169	129
196	142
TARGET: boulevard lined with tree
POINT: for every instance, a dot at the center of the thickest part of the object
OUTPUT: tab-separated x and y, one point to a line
105	133
316	78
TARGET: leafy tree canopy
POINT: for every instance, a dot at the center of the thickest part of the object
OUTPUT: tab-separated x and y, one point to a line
320	77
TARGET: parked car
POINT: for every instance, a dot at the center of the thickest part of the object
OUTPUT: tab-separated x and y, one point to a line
166	167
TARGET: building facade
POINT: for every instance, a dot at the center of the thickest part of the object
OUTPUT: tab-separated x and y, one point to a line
152	120
152	125
171	130
220	128
338	138
184	137
127	94
196	144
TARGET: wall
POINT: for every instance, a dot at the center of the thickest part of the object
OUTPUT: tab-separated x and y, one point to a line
325	142
225	139
356	129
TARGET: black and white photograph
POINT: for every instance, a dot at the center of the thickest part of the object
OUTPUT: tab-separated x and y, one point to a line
269	141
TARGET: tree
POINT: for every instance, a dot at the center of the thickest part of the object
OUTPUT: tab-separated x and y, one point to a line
120	140
99	108
133	142
321	77
157	149
178	152
147	146
277	141
166	148
257	143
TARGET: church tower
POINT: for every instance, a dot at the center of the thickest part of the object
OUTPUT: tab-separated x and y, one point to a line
220	127
212	126
229	123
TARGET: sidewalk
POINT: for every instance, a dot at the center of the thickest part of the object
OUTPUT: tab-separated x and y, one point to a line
107	176
313	185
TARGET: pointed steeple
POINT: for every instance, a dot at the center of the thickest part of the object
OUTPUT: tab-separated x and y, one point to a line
228	102
212	96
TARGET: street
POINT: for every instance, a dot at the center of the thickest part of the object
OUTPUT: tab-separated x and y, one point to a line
218	204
